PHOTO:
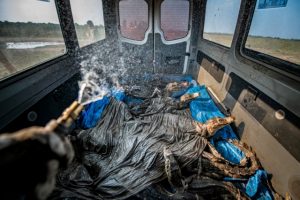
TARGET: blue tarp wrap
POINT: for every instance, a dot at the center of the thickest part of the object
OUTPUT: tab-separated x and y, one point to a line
92	113
187	78
257	187
203	108
229	151
118	94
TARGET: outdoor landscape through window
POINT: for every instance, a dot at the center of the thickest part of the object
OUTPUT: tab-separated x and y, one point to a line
275	29
175	18
133	19
30	34
220	21
89	21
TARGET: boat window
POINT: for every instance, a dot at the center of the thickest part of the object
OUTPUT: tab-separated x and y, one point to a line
275	31
134	20
30	34
175	18
220	21
89	21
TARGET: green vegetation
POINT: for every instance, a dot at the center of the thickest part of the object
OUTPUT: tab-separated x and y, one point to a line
22	32
30	30
89	33
16	60
284	49
288	50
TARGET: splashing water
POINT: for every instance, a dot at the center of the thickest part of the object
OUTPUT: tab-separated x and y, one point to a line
89	93
101	70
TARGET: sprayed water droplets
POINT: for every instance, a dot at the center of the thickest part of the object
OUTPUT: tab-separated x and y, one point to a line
101	71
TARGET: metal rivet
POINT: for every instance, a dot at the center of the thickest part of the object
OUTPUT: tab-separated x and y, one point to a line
280	114
32	116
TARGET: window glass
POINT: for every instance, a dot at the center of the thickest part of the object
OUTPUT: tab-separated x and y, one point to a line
220	20
175	18
133	19
29	34
89	21
276	31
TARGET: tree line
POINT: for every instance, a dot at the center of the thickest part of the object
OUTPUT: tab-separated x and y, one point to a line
32	30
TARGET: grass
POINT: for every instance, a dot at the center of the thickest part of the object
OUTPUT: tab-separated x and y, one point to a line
223	39
22	59
284	49
288	50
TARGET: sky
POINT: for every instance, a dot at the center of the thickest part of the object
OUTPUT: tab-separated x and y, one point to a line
221	16
138	11
84	10
45	12
280	22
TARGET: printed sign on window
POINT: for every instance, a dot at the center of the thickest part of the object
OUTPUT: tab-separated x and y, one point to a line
263	4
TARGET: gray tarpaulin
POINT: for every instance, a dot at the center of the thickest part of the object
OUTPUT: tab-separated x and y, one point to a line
124	156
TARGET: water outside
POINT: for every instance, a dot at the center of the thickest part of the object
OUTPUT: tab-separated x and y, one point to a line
30	45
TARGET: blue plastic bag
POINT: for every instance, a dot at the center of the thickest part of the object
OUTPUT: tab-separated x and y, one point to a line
92	113
202	109
118	94
229	151
257	187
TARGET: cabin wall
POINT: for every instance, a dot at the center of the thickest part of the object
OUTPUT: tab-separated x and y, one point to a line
39	90
255	95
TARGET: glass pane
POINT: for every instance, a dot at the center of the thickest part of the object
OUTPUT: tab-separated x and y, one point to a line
220	20
89	21
29	35
133	19
175	18
276	31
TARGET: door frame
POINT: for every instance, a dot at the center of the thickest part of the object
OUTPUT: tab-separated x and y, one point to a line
154	27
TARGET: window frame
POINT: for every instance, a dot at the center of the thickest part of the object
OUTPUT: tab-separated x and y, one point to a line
266	60
215	43
189	22
22	90
30	71
14	77
147	30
